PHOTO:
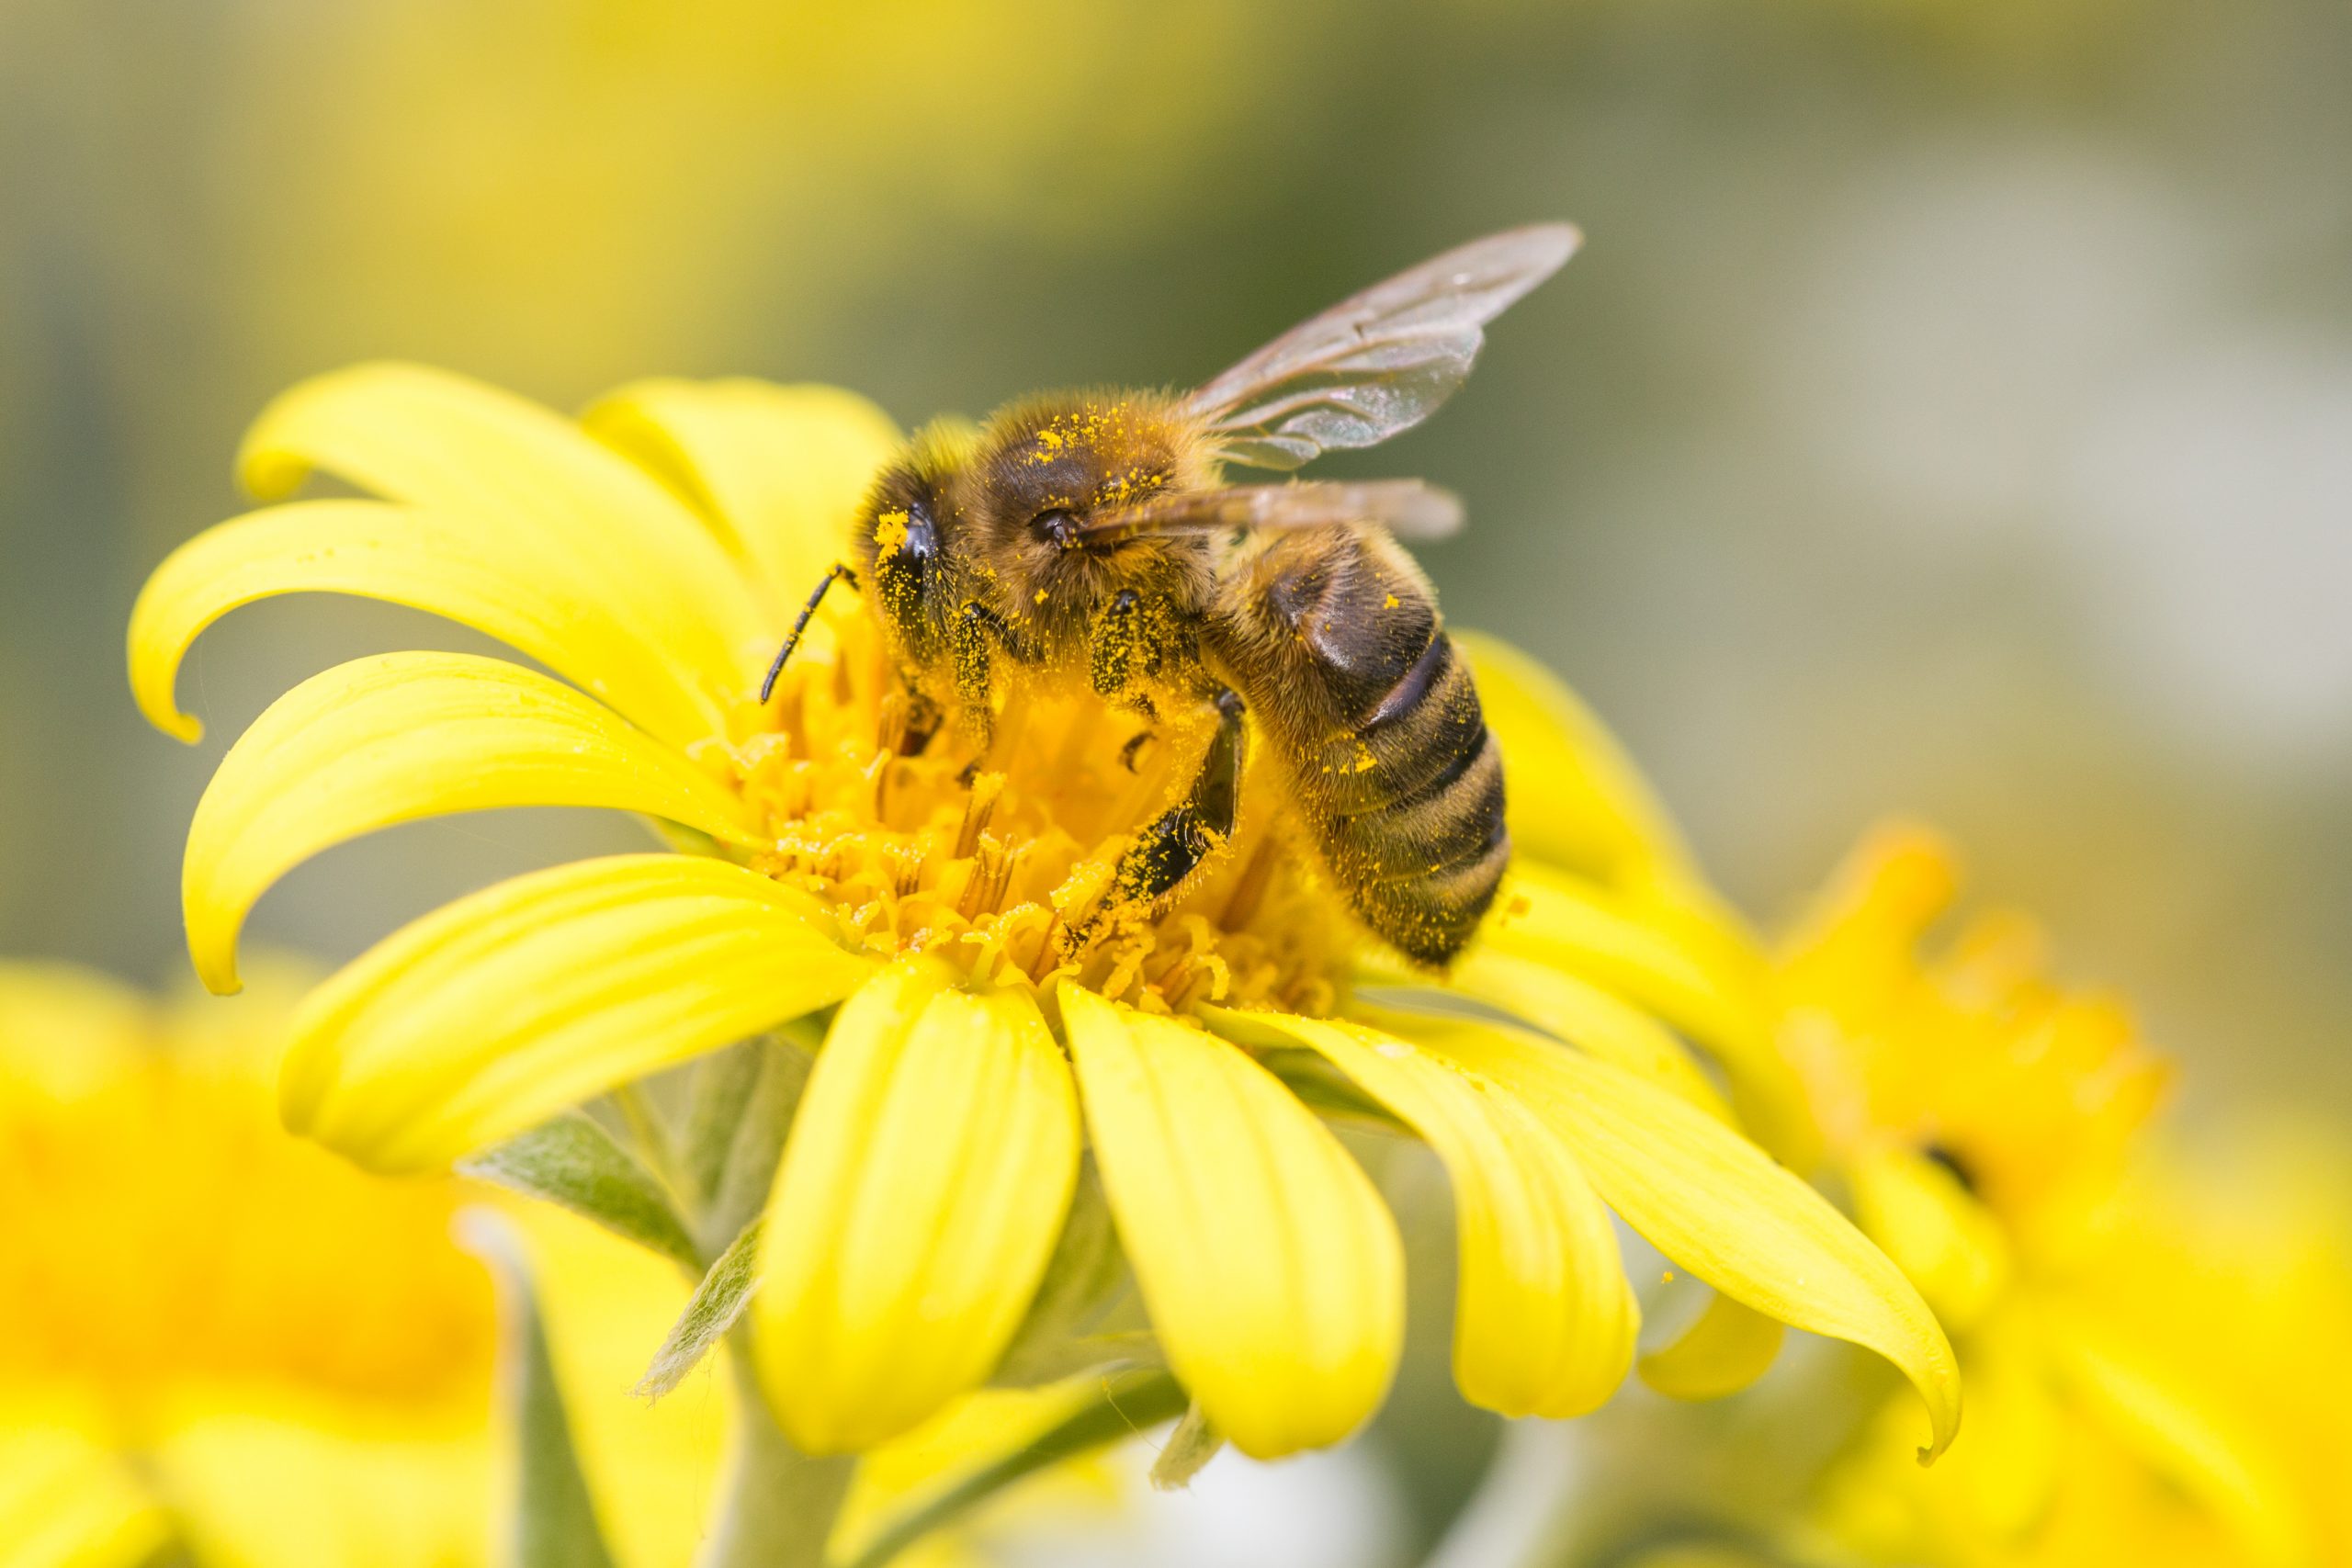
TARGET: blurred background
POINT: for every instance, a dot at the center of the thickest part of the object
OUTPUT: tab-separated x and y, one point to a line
1951	411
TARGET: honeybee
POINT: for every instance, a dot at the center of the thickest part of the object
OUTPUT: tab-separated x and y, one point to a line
1089	537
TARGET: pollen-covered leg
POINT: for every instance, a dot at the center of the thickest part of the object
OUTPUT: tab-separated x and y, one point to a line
1187	834
1115	651
974	633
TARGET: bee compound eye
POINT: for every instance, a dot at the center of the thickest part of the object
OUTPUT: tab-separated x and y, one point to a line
1058	523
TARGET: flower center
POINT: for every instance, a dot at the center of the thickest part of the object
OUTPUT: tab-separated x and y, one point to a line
165	1238
1004	864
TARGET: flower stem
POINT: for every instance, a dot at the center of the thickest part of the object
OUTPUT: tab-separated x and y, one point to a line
777	1505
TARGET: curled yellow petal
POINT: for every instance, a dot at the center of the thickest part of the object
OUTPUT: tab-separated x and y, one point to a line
1576	799
1273	1275
511	585
931	1163
1718	1206
441	441
404	736
779	470
1727	1347
1545	1321
493	1012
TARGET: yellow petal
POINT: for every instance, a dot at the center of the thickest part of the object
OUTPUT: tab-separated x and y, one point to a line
1555	918
65	1502
930	1165
2022	1423
1935	1231
268	1492
1718	1206
1729	1347
651	1465
1658	953
1272	1273
1545	1321
1576	800
2219	1456
505	581
778	470
404	736
492	1013
437	440
1594	1020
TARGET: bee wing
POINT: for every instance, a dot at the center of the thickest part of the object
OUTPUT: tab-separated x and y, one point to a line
1380	361
1405	507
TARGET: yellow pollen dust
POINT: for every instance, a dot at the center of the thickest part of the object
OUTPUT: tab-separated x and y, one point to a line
890	533
166	1240
1005	865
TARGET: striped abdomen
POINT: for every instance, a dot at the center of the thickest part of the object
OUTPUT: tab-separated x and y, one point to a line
1333	639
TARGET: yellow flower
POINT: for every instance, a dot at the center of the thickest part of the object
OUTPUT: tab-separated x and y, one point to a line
197	1311
651	555
212	1330
2151	1363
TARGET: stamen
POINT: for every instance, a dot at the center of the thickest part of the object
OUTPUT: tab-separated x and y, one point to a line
906	863
1006	864
987	790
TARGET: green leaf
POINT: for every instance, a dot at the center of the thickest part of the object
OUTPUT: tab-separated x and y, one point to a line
1188	1448
574	1163
1130	1402
722	1087
717	1303
554	1518
1085	1273
756	1144
1326	1090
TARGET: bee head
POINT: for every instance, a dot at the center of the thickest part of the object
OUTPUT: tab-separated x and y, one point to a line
903	541
1049	467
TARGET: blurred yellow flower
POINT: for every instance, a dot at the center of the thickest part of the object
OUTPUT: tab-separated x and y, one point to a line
651	554
1978	1109
208	1329
2151	1357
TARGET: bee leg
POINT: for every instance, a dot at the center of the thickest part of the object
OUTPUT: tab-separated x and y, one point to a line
1117	644
973	663
923	721
1143	707
1168	850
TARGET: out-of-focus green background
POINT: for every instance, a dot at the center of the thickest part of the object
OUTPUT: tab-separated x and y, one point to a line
1951	411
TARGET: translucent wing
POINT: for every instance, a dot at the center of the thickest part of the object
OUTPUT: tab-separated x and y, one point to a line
1378	363
1406	507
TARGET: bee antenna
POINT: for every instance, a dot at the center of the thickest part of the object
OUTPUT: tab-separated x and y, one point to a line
837	572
